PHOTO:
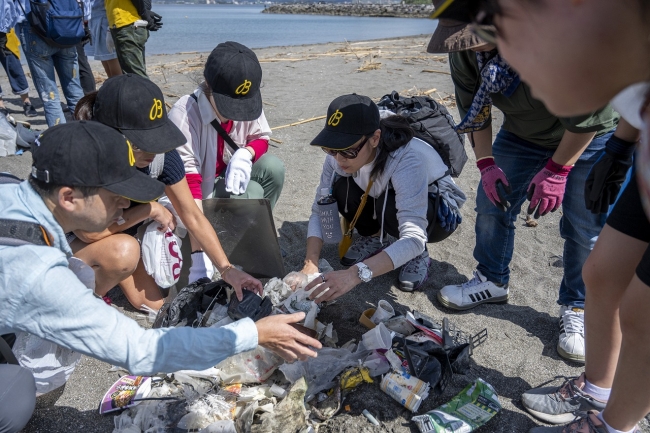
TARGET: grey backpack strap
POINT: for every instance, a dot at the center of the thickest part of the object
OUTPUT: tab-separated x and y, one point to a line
15	233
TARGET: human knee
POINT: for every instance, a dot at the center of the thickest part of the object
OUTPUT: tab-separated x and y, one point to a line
17	397
594	274
125	254
272	168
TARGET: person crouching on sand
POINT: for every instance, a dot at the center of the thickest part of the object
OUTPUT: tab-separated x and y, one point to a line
227	133
401	175
136	107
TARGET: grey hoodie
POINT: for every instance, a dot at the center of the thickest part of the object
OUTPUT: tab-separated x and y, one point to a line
412	169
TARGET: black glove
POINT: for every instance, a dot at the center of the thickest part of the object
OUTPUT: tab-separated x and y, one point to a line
154	20
608	174
87	38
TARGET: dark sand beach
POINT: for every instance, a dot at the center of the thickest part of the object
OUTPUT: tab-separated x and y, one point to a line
299	83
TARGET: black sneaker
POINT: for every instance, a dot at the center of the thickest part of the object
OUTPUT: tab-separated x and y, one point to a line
29	110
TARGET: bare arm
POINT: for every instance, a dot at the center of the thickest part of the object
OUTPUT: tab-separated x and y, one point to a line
571	147
314	247
482	142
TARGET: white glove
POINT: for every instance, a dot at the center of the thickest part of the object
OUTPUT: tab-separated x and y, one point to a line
238	173
201	267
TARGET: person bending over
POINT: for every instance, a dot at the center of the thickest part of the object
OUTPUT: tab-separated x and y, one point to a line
136	107
406	184
83	179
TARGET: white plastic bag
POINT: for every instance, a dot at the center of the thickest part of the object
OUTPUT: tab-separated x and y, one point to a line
50	363
7	137
161	255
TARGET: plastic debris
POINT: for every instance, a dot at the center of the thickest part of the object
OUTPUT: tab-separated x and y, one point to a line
472	408
329	406
223	426
354	377
377	338
400	394
400	325
383	312
278	391
253	366
371	418
411	383
290	414
252	306
205	411
320	372
278	290
377	364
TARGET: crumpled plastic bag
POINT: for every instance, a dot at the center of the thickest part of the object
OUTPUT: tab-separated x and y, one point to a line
51	364
320	372
205	411
161	255
290	415
254	366
278	290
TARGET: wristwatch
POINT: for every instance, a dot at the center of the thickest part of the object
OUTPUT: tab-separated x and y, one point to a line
365	274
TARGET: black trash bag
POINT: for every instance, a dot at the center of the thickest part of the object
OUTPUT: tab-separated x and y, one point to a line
459	358
428	362
252	306
191	303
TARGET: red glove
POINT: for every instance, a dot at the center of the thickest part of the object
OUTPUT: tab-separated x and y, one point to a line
546	190
491	178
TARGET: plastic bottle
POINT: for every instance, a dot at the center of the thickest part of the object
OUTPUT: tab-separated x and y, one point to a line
330	225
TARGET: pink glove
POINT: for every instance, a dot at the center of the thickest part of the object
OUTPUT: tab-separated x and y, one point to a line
491	178
546	190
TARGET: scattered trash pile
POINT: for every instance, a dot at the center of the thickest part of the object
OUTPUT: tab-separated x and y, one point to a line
409	356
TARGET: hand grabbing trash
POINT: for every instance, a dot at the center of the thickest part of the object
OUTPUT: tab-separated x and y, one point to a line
162	216
276	333
240	280
296	280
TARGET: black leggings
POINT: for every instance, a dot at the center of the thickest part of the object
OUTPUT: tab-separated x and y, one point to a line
367	225
17	397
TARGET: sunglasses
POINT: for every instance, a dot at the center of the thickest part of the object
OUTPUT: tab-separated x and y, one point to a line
346	153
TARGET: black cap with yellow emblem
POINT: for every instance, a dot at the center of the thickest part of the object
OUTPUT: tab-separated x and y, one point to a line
349	117
136	107
93	155
234	74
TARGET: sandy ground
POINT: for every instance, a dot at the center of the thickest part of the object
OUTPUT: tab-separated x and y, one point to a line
520	352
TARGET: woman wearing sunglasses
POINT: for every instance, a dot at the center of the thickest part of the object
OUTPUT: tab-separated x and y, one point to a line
402	176
577	56
135	106
536	156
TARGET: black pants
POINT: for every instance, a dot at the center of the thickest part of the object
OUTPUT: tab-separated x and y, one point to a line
85	71
17	397
367	224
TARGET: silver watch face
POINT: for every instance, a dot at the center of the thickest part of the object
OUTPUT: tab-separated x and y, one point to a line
365	274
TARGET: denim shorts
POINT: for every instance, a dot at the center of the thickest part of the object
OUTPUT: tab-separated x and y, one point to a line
100	33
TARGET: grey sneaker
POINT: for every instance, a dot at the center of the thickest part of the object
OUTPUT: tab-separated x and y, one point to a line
586	423
363	247
414	272
558	404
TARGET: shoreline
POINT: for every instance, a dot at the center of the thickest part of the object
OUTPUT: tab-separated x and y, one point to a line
356	10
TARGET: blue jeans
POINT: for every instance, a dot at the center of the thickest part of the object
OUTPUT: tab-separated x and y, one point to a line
15	73
521	160
43	60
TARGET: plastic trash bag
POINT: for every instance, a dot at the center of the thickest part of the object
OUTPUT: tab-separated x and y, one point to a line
254	366
7	137
161	255
50	363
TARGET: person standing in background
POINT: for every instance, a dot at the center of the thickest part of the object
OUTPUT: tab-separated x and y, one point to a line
10	59
130	22
101	46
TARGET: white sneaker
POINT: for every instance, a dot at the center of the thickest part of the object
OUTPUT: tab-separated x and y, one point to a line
571	344
475	292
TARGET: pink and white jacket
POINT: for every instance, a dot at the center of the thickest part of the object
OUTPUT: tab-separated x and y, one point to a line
204	155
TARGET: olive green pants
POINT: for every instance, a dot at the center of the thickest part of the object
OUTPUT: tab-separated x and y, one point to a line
129	47
267	180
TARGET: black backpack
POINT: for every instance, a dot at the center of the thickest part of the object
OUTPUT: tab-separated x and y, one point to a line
432	123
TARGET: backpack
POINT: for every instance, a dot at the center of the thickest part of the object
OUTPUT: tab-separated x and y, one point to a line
57	22
431	123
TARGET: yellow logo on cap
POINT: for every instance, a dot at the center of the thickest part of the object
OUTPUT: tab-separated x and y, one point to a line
131	155
335	118
156	111
243	88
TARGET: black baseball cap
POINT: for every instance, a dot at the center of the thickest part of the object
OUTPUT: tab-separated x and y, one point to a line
94	155
234	74
349	117
136	107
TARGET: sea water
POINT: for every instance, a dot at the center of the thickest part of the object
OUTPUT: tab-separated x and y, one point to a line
201	27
